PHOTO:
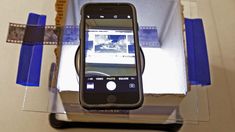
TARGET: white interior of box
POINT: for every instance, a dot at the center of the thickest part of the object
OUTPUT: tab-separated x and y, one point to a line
165	67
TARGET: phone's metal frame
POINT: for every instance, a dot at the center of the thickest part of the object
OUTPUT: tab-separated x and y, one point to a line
82	62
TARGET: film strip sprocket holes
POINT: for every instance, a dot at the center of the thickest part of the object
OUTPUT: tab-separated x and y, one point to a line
148	35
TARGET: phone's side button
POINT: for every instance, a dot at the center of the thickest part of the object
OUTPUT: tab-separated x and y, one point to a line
138	27
80	29
111	99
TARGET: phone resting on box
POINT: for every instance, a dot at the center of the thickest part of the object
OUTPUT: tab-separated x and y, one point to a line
110	73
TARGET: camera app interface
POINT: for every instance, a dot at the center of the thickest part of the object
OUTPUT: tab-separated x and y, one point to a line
110	63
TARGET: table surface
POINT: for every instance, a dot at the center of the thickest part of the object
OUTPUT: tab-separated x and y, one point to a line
219	22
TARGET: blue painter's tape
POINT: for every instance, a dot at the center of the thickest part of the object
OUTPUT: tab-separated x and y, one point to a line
29	67
198	64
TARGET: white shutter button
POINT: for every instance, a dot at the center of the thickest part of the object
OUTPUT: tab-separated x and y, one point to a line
111	85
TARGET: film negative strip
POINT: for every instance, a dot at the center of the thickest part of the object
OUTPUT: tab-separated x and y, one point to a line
51	34
148	37
15	33
67	35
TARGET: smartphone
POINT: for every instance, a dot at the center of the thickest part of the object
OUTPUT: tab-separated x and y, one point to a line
109	71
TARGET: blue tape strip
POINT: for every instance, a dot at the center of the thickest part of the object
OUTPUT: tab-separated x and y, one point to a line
31	57
198	64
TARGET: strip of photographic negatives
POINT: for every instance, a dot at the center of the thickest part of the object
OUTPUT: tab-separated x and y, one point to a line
47	35
67	35
148	37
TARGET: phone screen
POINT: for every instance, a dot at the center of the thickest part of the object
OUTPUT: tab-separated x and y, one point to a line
110	56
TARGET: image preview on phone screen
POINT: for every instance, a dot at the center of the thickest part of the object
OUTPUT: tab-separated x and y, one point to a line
110	62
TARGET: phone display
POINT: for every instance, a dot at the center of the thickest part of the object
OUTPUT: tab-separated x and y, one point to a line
110	61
